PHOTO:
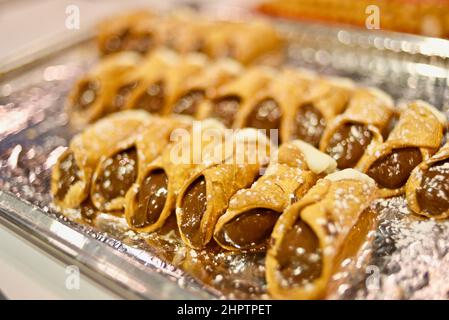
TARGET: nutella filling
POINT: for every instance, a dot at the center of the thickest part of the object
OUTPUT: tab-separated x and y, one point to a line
193	207
393	170
249	229
309	124
153	99
225	109
433	193
188	103
117	175
141	43
87	94
348	144
299	255
122	95
265	115
116	42
69	174
151	199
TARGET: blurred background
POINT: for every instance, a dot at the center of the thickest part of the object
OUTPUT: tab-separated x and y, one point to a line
26	24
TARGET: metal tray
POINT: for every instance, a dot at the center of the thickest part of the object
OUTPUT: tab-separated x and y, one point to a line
405	257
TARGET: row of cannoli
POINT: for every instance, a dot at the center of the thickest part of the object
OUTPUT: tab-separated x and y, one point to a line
212	181
356	126
295	102
184	32
150	167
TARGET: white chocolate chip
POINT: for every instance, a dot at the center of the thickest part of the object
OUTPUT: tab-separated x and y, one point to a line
316	160
349	174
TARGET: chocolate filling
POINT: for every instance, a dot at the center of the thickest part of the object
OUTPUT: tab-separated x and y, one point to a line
299	255
225	109
309	124
141	43
348	144
193	207
188	103
265	115
393	170
153	99
122	95
249	229
87	94
117	175
69	174
151	199
433	193
116	42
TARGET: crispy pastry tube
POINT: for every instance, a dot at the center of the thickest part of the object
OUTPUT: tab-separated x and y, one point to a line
161	80
242	41
315	108
151	200
415	138
119	168
252	213
72	173
228	99
205	196
194	94
427	189
183	31
360	127
94	95
309	235
124	33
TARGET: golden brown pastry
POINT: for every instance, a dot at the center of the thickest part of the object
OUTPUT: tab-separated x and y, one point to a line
252	212
228	99
151	200
192	98
183	31
317	104
427	189
122	32
161	78
242	41
361	126
72	173
94	95
205	196
415	138
118	170
309	235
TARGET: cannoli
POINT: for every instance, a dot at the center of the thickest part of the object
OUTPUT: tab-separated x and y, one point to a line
315	107
242	41
252	213
151	200
193	96
161	79
205	196
72	173
117	171
228	99
94	95
309	235
362	125
183	32
124	33
427	189
415	138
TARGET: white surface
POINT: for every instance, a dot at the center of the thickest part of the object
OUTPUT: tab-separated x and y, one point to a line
25	24
28	273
